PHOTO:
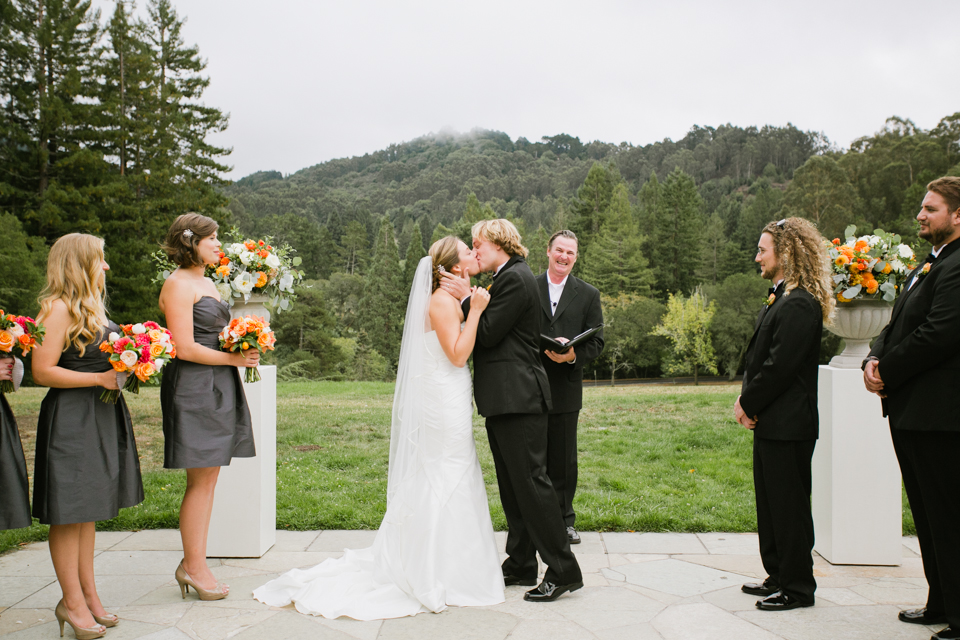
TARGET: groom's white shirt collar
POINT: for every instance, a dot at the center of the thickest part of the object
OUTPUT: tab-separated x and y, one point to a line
501	266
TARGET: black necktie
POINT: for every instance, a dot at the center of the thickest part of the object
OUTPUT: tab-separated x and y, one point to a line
772	290
930	258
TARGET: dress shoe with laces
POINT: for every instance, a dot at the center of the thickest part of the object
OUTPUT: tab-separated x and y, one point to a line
780	601
549	591
762	589
573	536
949	633
921	616
512	581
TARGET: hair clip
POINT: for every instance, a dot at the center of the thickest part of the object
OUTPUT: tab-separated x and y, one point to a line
782	222
187	233
441	269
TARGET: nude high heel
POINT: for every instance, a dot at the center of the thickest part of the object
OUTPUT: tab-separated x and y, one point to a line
185	582
81	633
108	620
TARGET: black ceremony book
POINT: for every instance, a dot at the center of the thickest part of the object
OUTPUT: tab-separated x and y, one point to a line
551	344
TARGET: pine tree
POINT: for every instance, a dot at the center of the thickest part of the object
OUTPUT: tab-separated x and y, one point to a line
616	263
537	247
382	306
676	248
415	252
353	248
593	198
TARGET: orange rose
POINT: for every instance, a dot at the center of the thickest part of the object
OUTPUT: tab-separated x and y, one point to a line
224	261
118	366
155	335
836	241
105	347
847	251
266	340
144	370
261	242
264	254
6	341
861	245
173	352
250	245
157	350
26	343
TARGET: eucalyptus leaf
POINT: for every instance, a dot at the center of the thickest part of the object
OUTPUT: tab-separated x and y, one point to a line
837	279
285	304
851	231
852	292
297	260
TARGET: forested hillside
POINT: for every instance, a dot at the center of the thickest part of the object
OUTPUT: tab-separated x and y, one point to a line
654	220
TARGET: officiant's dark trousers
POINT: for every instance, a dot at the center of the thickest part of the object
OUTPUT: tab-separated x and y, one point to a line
781	480
519	446
928	464
562	460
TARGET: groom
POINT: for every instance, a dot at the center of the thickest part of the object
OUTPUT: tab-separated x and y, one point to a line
513	394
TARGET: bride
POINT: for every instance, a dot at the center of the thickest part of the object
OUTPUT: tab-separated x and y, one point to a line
435	546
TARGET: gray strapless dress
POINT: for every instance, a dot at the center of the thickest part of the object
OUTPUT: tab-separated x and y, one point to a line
14	490
87	467
206	422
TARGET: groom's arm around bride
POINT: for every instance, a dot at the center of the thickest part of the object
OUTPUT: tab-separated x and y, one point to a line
513	394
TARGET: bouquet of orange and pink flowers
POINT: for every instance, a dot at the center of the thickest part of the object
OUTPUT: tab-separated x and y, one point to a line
248	332
140	349
21	332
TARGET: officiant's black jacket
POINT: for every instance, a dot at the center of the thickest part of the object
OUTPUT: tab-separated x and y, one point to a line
780	378
507	374
577	311
919	350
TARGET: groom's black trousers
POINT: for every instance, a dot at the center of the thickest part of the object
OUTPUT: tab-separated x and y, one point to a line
519	446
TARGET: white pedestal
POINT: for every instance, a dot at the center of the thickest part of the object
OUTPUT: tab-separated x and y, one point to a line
857	510
244	520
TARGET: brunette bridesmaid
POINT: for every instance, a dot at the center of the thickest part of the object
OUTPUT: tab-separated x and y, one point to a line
206	422
87	467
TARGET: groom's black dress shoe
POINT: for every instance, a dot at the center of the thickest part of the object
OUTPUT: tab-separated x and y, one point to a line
573	536
780	602
763	589
921	616
548	591
946	634
510	581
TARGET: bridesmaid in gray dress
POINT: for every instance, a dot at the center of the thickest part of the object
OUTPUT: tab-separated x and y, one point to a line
14	490
87	467
206	422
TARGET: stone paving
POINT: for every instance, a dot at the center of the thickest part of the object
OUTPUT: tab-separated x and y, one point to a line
641	586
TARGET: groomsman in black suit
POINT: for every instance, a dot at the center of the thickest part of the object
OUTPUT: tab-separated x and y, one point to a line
914	366
512	393
778	402
570	307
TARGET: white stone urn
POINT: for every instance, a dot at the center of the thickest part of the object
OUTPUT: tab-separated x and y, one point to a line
255	306
858	322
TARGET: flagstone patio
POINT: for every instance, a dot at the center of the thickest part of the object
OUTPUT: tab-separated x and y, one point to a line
637	586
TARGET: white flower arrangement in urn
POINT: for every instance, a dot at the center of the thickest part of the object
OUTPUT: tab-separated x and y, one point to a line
250	267
871	267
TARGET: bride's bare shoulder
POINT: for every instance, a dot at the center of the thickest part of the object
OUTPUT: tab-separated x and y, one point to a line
443	306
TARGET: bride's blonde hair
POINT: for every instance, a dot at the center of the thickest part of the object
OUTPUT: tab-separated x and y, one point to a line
446	255
75	276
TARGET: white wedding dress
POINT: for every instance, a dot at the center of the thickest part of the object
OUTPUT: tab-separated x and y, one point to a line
435	546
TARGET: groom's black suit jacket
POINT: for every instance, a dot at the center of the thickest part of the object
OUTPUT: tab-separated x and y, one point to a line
780	377
507	374
577	311
919	350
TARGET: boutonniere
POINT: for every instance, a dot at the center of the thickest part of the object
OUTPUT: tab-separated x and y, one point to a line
488	287
924	270
770	300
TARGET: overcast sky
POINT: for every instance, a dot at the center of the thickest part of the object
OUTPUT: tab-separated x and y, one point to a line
306	81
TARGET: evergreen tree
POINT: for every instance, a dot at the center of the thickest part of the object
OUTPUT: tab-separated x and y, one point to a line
382	306
415	252
23	263
676	249
537	248
648	206
616	263
593	198
353	248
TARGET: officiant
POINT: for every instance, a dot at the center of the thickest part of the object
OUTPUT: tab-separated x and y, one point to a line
570	307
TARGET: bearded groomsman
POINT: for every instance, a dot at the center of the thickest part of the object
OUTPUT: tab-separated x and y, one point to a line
570	307
778	402
914	366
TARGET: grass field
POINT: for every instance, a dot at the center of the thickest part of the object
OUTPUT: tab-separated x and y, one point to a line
652	458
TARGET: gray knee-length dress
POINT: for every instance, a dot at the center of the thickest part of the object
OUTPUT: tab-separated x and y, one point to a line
206	422
87	467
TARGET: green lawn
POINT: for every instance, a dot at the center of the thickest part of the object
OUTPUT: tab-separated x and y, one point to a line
658	458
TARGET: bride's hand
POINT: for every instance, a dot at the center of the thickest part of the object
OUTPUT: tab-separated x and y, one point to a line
457	286
479	299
